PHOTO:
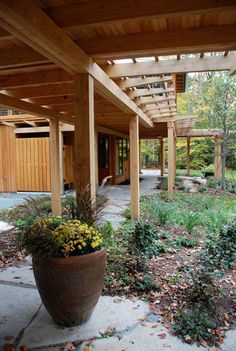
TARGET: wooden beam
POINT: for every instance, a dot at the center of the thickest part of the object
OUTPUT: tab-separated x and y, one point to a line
22	57
12	102
135	82
43	35
134	167
146	92
188	155
85	176
9	124
93	13
207	63
151	100
181	41
32	79
171	163
158	106
26	130
4	35
172	117
110	131
55	167
50	90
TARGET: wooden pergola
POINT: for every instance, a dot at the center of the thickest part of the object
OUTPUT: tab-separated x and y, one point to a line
102	64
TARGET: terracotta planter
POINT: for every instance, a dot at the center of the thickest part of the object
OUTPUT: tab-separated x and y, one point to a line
70	287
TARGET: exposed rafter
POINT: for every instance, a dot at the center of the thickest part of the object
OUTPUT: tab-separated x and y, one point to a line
92	13
15	103
207	63
180	41
145	92
135	82
43	35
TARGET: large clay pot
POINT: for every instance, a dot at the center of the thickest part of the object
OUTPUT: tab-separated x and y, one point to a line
70	287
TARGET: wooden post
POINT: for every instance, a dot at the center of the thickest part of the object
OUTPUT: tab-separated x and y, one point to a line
134	166
96	157
171	163
140	158
61	160
84	136
175	154
188	156
162	157
55	166
217	161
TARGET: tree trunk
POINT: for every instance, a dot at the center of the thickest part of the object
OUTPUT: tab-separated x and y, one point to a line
223	161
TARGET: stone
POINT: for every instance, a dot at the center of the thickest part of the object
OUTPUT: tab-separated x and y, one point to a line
107	314
19	275
17	307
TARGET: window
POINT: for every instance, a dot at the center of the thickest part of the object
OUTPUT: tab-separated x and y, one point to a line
122	147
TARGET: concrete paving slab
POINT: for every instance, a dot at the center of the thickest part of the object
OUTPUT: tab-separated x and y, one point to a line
230	341
17	306
145	336
110	312
19	275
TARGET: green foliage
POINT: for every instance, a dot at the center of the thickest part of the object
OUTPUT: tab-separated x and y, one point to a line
194	324
162	210
190	220
85	210
106	231
183	241
212	183
220	250
145	283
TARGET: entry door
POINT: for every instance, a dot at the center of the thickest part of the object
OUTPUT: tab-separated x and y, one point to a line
103	157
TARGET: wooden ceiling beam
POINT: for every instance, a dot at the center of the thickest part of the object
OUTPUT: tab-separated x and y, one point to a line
29	23
135	82
17	104
93	13
20	57
4	35
173	118
146	92
156	99
207	63
64	89
182	41
31	79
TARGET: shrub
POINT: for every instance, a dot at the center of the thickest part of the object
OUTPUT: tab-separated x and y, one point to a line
190	220
143	238
183	241
194	324
145	283
220	250
162	210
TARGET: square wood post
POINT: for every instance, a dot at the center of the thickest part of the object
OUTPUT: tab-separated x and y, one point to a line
162	157
85	174
96	157
171	159
134	166
188	156
217	161
55	166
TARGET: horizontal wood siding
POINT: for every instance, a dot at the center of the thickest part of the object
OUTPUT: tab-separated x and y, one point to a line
7	159
33	164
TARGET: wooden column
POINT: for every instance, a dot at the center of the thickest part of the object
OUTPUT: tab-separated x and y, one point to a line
162	157
175	155
171	161
140	158
134	166
96	157
217	161
55	166
188	156
84	136
61	160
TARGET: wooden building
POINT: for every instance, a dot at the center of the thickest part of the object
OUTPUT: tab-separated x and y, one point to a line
102	67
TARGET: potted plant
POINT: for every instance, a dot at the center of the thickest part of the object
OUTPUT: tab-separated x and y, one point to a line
68	265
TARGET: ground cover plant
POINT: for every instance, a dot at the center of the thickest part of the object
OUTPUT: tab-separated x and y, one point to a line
185	280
